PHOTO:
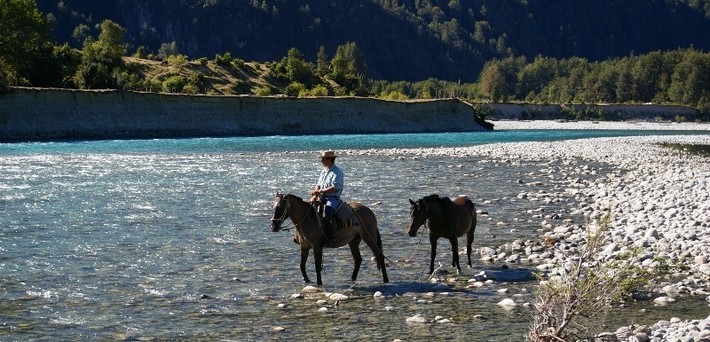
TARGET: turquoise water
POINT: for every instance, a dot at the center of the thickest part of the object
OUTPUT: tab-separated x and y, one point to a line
169	239
316	142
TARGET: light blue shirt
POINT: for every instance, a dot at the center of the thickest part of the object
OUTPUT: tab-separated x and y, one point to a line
332	177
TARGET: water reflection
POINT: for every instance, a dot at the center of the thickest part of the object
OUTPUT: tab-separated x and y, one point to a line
703	150
178	246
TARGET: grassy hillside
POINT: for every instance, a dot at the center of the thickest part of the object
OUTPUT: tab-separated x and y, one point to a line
214	79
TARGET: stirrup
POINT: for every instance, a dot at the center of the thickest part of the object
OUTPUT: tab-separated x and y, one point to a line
329	230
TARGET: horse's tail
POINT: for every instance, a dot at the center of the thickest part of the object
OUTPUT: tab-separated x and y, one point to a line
379	243
379	247
474	216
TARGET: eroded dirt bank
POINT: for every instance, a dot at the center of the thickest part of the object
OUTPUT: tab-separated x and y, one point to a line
47	114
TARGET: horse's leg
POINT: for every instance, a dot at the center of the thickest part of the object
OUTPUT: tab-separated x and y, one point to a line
380	255
304	257
318	255
357	257
373	240
432	239
455	253
469	242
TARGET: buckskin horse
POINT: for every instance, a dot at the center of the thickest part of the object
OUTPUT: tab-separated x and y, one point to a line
445	219
361	227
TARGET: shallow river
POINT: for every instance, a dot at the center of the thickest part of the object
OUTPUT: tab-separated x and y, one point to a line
171	240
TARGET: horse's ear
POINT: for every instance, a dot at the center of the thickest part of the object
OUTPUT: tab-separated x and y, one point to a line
411	202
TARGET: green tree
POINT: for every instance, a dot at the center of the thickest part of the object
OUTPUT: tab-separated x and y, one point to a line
691	79
646	73
499	77
605	85
322	65
80	33
295	89
55	68
349	69
174	84
24	34
297	69
102	59
224	60
625	87
168	49
536	75
481	32
493	84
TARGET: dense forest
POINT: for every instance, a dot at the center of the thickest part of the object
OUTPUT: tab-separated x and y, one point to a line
483	51
401	40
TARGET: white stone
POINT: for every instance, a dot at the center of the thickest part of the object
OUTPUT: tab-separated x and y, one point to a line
507	303
310	289
338	297
416	319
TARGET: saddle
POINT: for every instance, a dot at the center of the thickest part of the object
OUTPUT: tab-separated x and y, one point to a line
343	214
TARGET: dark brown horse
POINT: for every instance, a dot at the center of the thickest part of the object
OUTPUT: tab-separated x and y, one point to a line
310	235
446	219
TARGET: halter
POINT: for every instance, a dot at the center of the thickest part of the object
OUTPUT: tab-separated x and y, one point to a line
425	208
285	211
283	215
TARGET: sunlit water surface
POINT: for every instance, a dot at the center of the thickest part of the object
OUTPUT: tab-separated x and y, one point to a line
170	239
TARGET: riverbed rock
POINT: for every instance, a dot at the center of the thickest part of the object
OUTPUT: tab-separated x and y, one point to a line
509	275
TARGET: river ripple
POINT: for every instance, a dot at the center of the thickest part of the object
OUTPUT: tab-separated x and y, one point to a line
177	245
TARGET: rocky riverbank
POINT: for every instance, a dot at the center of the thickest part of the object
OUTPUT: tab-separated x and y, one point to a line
658	198
659	203
600	125
617	112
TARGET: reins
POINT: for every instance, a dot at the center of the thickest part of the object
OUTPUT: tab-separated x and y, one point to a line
296	223
421	237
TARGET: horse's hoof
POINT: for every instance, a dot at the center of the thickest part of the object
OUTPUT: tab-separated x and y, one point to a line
307	281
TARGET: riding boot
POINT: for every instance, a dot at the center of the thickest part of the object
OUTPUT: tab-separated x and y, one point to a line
329	228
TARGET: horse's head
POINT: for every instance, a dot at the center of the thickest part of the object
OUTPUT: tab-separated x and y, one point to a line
280	213
417	216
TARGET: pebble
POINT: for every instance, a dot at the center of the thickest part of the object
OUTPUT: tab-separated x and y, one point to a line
507	304
338	297
416	319
658	198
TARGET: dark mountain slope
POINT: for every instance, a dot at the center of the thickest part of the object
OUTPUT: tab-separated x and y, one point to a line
401	40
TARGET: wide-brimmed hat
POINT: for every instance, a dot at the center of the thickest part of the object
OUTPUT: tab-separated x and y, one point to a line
327	154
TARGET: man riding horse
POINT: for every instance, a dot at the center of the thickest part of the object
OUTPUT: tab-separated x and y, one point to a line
328	191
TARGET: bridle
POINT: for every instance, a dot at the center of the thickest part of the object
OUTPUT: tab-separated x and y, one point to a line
285	213
425	208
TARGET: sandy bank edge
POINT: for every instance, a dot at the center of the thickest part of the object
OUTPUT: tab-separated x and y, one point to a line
598	125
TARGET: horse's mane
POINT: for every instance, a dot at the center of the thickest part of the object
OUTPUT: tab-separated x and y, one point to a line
285	196
292	195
